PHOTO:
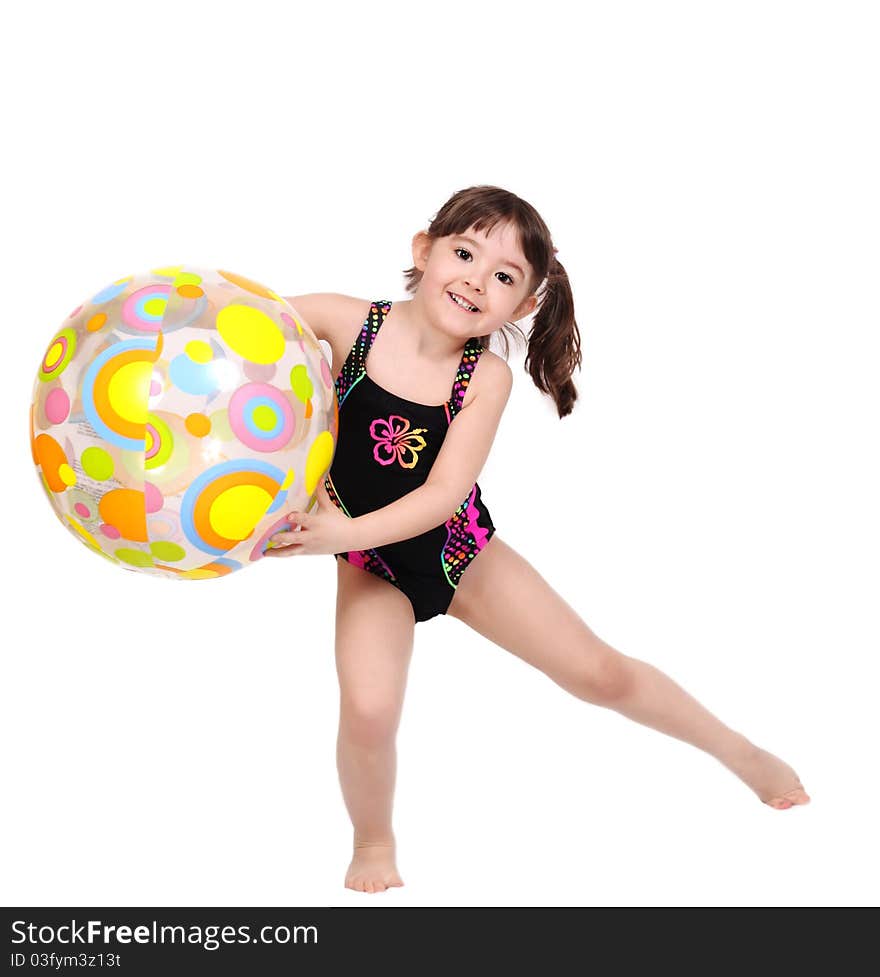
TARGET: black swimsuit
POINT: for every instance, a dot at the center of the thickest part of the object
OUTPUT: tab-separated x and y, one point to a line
385	448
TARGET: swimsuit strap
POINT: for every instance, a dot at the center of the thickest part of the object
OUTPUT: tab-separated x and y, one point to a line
355	365
472	352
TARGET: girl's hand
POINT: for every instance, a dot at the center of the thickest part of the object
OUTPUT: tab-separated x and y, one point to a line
325	530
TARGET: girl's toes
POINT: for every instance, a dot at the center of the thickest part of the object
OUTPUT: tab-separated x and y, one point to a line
789	799
779	803
797	796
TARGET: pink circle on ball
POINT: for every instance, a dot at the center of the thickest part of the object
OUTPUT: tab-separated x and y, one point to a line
134	310
325	373
57	406
155	388
82	510
240	404
111	532
152	497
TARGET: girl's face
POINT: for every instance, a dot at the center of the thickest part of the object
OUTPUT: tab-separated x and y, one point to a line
486	271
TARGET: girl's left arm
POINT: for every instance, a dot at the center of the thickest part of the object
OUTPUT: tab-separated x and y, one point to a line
456	468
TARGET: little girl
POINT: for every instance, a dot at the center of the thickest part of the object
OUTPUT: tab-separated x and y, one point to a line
401	506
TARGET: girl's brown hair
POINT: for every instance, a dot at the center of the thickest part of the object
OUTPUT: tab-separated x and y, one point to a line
554	342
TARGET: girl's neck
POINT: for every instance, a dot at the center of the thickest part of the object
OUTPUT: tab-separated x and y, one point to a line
420	338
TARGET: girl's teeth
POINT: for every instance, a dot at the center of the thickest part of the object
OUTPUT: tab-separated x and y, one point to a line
461	304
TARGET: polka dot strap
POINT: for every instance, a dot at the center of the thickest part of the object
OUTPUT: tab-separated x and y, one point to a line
355	365
472	352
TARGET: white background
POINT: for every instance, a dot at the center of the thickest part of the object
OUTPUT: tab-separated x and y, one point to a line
709	175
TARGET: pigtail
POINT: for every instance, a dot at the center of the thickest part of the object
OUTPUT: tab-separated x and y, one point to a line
554	344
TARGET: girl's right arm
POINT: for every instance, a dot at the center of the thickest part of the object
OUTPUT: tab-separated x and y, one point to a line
333	317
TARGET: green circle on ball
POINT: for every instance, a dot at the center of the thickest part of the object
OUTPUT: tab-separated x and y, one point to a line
301	384
135	558
168	552
97	464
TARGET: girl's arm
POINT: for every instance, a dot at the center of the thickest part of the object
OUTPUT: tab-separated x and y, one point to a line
458	465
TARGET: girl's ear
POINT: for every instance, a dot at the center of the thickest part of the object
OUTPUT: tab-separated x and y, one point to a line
421	248
526	307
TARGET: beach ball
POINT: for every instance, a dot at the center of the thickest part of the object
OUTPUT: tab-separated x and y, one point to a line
177	415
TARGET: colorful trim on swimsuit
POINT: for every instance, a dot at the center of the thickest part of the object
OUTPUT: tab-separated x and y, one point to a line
472	351
355	366
465	538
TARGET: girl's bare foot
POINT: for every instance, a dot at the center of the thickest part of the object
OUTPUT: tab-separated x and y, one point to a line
373	867
772	779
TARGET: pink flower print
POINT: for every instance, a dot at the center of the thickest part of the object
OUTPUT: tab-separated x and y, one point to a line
396	440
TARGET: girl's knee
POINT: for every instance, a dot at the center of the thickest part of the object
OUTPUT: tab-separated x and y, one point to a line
370	721
602	677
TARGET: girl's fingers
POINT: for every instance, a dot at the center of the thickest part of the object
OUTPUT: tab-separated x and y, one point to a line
285	552
285	538
324	500
288	550
296	518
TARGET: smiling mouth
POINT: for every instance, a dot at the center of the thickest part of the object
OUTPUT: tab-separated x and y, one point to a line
472	310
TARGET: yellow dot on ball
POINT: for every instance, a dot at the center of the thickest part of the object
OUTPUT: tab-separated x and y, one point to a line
56	351
264	417
318	460
67	475
155	307
199	351
187	278
236	512
250	333
129	391
200	573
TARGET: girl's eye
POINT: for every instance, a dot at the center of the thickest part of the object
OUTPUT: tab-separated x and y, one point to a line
509	279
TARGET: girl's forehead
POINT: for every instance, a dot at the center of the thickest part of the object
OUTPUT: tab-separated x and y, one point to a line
500	232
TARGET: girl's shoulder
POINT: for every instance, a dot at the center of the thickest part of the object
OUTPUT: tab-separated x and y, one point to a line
330	315
334	318
494	374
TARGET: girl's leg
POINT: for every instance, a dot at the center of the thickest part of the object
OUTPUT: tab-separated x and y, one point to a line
504	598
374	643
